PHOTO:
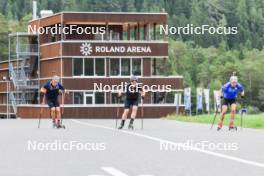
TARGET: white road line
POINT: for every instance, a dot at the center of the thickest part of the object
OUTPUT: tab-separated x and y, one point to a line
113	171
240	160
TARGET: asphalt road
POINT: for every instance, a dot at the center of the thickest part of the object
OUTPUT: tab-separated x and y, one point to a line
96	148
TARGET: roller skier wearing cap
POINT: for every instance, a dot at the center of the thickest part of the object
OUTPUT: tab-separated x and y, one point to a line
51	90
132	91
229	93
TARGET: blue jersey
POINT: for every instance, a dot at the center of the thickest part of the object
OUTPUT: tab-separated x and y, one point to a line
230	92
53	91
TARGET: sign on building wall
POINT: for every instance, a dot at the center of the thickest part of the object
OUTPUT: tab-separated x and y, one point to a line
115	48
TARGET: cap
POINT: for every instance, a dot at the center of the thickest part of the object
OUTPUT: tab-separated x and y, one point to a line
133	78
56	78
233	79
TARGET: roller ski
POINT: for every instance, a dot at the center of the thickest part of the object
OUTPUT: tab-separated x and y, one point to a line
54	125
130	127
121	125
232	128
219	127
58	126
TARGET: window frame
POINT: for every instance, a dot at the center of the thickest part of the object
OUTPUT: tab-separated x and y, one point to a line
94	67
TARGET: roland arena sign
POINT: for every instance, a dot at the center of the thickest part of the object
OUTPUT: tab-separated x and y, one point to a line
115	49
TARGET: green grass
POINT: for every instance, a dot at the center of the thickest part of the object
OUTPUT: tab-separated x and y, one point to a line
249	121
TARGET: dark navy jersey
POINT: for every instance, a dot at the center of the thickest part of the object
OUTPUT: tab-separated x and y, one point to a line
53	92
133	92
230	92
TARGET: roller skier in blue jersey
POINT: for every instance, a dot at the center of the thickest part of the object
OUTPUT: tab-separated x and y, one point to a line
229	94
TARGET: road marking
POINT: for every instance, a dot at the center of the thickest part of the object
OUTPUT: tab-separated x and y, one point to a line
237	159
113	171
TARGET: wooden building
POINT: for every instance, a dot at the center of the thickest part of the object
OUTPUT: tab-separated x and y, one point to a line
114	47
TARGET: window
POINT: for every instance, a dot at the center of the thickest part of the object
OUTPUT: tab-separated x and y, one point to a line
163	97
125	67
114	98
89	98
114	67
78	67
78	97
136	67
159	67
89	67
99	98
114	35
100	67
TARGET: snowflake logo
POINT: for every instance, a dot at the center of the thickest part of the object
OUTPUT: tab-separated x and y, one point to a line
86	49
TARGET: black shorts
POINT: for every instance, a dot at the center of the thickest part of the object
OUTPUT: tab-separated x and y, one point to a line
228	102
53	103
130	102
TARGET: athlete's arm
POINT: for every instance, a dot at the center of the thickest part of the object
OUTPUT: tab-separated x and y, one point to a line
43	90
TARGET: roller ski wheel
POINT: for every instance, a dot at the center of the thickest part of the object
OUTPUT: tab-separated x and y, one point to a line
60	127
232	128
120	127
130	127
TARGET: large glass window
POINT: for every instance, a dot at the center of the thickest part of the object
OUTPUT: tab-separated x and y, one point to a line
114	99
99	98
100	66
89	98
78	67
163	97
136	67
114	67
159	67
78	97
89	67
125	67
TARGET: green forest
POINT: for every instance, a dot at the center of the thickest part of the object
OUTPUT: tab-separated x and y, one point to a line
204	60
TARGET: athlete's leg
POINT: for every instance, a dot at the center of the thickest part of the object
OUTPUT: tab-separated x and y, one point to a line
134	112
53	114
58	115
222	116
233	114
124	117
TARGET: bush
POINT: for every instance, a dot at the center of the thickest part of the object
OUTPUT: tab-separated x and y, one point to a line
253	110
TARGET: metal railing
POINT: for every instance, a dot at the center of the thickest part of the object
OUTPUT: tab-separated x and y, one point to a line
27	48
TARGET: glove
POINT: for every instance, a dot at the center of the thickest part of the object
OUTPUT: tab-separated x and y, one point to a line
221	97
142	97
242	96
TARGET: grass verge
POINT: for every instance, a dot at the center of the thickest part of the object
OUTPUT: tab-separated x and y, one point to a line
249	121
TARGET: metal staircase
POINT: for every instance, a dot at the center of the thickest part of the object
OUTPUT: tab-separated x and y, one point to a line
23	75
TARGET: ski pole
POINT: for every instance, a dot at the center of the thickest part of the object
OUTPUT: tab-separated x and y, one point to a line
41	110
142	112
117	110
62	108
243	110
214	117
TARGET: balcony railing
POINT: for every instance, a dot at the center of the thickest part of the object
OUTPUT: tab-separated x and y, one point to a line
27	48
